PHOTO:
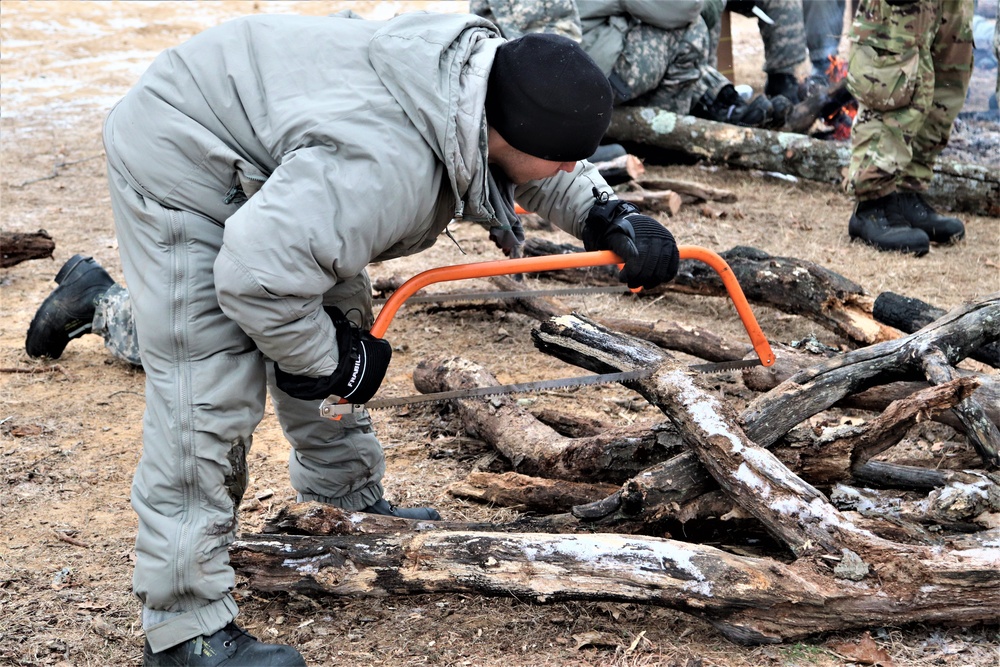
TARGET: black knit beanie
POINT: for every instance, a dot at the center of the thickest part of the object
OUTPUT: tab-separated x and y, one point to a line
548	98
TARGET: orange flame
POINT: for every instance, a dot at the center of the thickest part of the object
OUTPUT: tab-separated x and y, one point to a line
837	69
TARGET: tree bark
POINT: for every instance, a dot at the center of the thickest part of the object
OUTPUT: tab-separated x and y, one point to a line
964	187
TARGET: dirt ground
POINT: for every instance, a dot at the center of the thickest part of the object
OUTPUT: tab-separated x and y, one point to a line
70	431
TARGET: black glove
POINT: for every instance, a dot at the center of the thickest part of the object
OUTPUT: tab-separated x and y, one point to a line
364	360
647	248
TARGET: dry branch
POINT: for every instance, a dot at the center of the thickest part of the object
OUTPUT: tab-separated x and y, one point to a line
808	392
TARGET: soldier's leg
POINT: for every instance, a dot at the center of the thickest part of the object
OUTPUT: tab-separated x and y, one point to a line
664	67
886	74
951	70
891	75
784	47
113	321
337	462
205	392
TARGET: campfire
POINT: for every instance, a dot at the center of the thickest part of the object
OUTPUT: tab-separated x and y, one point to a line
841	118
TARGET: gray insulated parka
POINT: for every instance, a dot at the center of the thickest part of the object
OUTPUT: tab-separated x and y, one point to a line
322	144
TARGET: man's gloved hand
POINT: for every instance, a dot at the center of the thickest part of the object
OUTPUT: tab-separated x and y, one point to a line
364	360
648	249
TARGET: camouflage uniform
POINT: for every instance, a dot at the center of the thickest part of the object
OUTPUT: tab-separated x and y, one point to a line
654	66
909	68
784	42
113	321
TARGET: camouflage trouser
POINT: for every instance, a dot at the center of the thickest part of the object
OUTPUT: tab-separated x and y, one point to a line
668	68
784	42
909	68
113	321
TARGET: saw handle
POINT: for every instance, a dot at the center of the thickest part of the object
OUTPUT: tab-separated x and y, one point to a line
572	261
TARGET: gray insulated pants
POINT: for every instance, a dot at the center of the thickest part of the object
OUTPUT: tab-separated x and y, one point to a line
205	390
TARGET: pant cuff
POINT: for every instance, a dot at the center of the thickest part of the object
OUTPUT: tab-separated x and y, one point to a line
205	620
352	502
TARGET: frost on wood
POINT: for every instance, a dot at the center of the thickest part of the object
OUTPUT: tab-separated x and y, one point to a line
861	562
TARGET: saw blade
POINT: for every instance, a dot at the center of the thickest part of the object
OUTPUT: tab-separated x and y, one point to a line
515	294
331	407
724	366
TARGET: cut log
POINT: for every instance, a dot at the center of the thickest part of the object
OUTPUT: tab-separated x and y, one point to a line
961	187
538	450
661	201
20	247
621	169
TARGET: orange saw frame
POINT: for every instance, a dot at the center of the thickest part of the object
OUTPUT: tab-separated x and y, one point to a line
572	261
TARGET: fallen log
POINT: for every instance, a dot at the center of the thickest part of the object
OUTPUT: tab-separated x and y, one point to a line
20	247
960	187
538	450
528	494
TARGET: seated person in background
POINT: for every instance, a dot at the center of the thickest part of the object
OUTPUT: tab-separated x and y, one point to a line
654	53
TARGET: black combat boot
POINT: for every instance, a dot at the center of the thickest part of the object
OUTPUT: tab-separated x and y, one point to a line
879	223
785	85
921	215
68	312
729	107
383	506
229	647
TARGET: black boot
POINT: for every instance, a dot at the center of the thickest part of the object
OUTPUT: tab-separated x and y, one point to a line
382	506
68	312
878	222
229	647
921	215
729	107
785	85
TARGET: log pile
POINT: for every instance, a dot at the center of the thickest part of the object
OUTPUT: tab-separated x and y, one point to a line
963	187
851	540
